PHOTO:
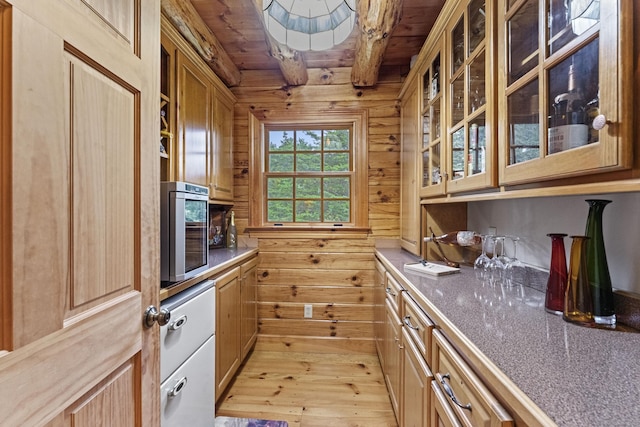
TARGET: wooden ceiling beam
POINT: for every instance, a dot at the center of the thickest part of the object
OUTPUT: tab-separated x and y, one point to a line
290	61
186	19
376	21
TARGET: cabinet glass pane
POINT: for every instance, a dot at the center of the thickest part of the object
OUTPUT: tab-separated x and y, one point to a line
524	124
523	35
426	129
435	79
426	88
435	120
477	96
425	168
457	46
476	159
476	10
457	100
457	154
569	19
436	165
573	97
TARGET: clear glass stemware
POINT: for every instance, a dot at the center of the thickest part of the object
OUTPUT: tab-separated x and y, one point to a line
495	269
515	270
482	262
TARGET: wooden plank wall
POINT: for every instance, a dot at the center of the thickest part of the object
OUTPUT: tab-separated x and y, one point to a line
335	276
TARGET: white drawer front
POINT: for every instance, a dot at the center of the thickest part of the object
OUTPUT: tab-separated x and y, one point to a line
187	397
192	323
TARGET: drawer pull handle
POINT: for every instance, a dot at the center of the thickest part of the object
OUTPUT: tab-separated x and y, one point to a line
407	322
449	391
388	290
179	323
178	387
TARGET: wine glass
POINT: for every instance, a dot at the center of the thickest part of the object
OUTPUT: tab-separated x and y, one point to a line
496	265
515	270
482	262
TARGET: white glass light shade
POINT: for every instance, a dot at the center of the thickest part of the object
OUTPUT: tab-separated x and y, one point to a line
310	24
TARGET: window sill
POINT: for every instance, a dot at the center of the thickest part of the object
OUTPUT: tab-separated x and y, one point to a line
306	232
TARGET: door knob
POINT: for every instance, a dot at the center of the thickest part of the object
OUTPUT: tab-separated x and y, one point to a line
151	315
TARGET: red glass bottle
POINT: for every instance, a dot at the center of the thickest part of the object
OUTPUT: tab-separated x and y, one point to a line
557	283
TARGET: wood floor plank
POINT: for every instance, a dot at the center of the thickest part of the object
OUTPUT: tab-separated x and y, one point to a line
309	390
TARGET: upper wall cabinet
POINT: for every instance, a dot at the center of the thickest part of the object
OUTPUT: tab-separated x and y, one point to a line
410	202
221	176
199	107
432	120
469	99
194	122
455	137
563	107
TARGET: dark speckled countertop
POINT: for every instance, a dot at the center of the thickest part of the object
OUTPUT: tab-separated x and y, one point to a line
578	376
219	261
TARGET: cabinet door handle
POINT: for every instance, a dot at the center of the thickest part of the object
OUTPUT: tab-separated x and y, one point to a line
449	391
388	290
180	385
407	322
599	122
179	323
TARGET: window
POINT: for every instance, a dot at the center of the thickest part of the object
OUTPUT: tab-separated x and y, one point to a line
311	173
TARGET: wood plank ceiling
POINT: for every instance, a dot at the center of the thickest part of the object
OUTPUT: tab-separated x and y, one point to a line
233	39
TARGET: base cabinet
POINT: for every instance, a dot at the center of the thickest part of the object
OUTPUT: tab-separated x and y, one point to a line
430	383
249	308
416	381
440	413
379	314
467	396
393	359
228	348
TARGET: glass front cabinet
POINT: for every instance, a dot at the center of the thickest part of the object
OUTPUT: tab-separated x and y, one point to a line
458	103
565	110
432	108
470	98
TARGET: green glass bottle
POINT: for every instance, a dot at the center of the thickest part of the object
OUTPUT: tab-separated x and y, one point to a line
599	277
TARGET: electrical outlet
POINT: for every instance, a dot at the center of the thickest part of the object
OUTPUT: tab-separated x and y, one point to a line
492	231
308	311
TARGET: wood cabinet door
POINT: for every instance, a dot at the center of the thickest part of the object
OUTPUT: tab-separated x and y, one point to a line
249	312
393	359
416	380
194	105
221	176
379	295
227	328
409	190
79	225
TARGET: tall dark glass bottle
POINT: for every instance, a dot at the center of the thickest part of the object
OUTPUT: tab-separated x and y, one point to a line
557	283
599	278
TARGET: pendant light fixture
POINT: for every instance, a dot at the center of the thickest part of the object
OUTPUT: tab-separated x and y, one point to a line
310	24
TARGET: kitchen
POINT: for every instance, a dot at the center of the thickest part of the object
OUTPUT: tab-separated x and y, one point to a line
49	266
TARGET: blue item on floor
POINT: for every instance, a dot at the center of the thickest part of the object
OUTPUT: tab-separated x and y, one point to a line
248	422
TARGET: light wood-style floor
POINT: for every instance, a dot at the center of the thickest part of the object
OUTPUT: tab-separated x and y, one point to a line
310	390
